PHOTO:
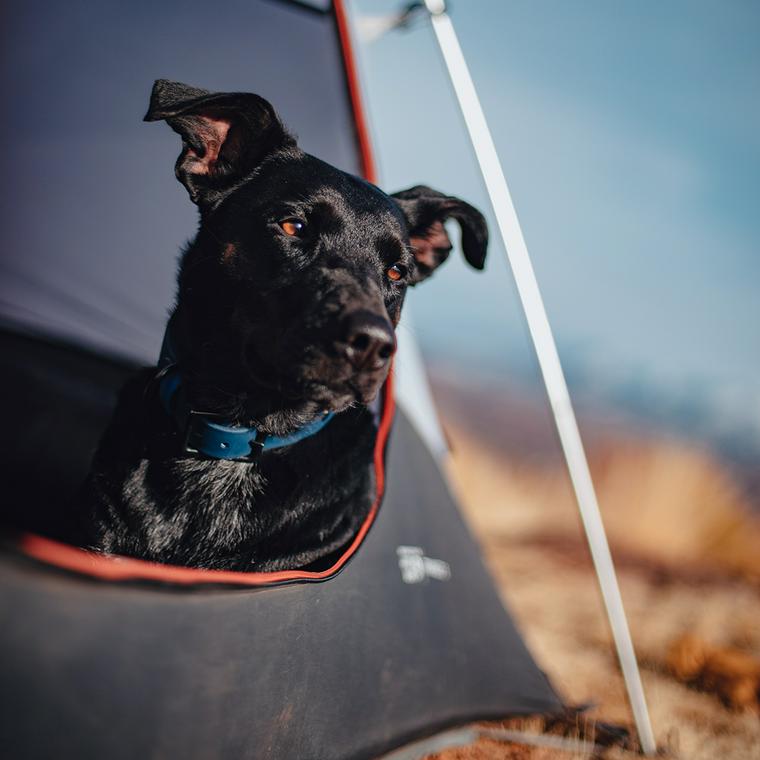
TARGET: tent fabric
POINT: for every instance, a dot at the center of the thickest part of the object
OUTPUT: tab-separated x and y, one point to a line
386	652
91	229
408	639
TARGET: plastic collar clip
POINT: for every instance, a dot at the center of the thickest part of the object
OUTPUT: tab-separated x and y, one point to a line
207	436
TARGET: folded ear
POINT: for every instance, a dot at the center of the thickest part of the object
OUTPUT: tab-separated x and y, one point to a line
224	135
425	211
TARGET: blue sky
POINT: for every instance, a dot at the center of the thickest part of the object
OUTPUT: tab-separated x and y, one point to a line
630	136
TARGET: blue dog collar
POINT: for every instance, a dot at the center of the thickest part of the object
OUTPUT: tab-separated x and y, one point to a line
207	434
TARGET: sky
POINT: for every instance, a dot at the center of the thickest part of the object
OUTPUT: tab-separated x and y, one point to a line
630	137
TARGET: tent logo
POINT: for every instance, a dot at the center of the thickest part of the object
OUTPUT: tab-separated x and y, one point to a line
416	567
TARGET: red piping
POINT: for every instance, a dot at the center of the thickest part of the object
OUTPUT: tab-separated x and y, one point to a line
118	568
354	92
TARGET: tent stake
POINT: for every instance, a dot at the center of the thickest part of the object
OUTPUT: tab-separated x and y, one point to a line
548	359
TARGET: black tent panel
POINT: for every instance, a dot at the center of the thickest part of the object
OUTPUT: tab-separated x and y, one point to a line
94	218
410	638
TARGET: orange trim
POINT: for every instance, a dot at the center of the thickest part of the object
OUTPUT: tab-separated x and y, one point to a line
354	91
117	568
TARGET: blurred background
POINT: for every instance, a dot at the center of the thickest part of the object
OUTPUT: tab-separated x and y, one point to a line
630	137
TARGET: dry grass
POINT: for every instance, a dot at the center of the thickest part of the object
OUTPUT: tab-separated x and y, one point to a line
688	555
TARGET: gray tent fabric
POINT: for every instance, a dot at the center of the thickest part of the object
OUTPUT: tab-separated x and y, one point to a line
349	668
408	639
94	219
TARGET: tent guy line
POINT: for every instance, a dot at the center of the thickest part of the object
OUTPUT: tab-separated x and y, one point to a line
548	358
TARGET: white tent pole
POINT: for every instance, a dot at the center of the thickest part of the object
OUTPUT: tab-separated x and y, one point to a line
548	359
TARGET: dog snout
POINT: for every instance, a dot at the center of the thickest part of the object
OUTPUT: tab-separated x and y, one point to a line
369	340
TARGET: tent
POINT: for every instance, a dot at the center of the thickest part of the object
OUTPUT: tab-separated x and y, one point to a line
408	639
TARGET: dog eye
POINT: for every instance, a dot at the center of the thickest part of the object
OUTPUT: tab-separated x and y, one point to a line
293	227
396	272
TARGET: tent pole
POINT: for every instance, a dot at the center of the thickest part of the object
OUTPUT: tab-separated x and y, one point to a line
548	359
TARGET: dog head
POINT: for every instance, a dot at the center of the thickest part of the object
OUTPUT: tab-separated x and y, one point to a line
290	293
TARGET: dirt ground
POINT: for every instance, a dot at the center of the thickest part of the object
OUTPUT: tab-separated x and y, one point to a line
688	556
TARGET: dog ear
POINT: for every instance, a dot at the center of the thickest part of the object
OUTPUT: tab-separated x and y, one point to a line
224	135
425	211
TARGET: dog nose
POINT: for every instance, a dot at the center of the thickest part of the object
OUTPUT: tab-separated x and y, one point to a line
370	340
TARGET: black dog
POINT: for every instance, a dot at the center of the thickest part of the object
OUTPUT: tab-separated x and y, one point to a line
283	332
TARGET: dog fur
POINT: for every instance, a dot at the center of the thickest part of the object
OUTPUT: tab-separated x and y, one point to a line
287	302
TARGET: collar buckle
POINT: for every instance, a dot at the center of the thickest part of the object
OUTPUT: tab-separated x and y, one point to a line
257	447
193	429
193	441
